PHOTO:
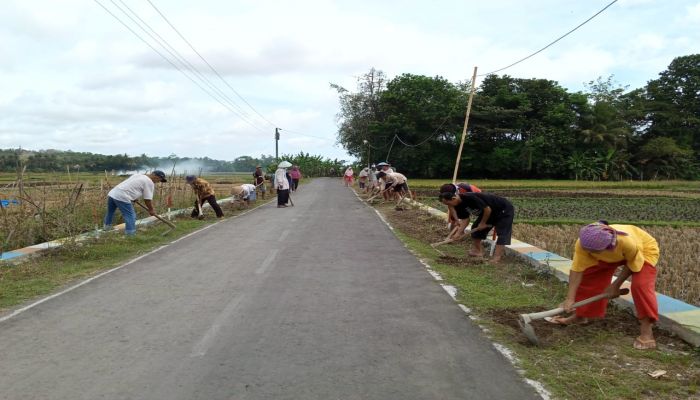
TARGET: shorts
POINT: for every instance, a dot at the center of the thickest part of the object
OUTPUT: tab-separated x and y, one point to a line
502	223
401	188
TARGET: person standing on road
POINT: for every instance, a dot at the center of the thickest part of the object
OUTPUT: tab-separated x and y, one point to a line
282	184
295	173
204	192
598	252
124	194
348	177
259	181
491	210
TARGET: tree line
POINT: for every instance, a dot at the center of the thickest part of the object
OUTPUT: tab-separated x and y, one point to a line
528	128
57	161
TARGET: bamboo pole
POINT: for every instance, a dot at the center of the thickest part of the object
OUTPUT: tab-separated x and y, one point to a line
464	131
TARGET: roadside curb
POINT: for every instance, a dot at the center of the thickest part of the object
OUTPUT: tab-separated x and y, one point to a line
679	317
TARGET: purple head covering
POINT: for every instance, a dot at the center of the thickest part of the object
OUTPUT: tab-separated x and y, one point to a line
599	236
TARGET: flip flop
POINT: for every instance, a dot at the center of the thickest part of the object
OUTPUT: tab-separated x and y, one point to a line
641	344
558	320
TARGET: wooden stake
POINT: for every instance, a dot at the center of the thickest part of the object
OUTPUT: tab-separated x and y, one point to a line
464	131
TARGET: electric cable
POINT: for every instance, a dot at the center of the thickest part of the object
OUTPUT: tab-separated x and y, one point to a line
208	64
177	55
550	44
233	111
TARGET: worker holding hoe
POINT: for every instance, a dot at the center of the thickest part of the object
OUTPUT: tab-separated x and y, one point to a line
459	188
204	192
491	211
395	184
599	251
128	191
259	180
282	184
244	193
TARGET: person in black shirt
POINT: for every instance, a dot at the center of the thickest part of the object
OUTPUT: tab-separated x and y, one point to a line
490	210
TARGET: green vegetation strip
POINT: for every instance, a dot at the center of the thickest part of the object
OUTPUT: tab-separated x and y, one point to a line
596	361
559	184
656	211
41	275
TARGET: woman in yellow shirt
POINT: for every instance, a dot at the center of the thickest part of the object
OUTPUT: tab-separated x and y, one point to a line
599	251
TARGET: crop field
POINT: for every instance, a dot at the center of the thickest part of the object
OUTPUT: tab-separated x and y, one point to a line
549	215
43	207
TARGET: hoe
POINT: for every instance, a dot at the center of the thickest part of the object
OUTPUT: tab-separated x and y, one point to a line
525	319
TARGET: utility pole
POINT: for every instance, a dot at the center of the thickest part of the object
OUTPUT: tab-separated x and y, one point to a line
277	139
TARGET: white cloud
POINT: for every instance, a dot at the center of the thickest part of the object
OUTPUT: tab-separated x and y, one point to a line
74	77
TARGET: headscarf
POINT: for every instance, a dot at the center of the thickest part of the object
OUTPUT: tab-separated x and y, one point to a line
599	236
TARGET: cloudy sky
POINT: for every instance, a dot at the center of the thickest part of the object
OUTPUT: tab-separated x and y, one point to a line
73	77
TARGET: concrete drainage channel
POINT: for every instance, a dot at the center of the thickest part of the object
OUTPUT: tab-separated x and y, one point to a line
20	255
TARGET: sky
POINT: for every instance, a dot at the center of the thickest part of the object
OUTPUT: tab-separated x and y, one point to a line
72	77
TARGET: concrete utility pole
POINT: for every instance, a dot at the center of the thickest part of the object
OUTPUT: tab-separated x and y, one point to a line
277	139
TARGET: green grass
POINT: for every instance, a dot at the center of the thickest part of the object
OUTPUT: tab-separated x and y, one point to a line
641	210
558	184
578	362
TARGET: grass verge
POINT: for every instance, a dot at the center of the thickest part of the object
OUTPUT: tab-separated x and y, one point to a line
595	361
41	275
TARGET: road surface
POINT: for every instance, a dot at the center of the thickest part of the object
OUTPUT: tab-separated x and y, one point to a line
316	301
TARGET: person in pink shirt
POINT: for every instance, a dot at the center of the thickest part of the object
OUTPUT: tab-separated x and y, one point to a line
295	173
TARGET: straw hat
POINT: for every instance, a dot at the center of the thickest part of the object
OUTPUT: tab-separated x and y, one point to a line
237	190
285	164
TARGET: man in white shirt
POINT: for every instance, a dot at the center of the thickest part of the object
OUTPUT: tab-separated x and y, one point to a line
132	189
395	183
244	193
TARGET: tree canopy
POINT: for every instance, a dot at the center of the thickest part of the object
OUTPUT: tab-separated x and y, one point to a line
528	128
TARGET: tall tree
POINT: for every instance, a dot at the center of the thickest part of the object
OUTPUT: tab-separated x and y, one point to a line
359	110
675	103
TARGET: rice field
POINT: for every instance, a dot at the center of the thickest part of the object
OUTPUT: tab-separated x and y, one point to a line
549	215
37	208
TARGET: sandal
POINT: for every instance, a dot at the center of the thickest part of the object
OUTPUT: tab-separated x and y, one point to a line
560	320
641	344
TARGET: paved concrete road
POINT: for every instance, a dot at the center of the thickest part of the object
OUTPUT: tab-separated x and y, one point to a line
317	301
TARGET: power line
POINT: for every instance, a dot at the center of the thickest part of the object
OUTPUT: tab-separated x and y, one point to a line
209	65
177	55
555	41
178	68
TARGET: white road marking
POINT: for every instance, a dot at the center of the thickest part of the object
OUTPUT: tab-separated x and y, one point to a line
207	340
283	235
266	263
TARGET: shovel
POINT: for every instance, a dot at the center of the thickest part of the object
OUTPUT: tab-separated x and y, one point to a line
161	219
466	235
525	319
